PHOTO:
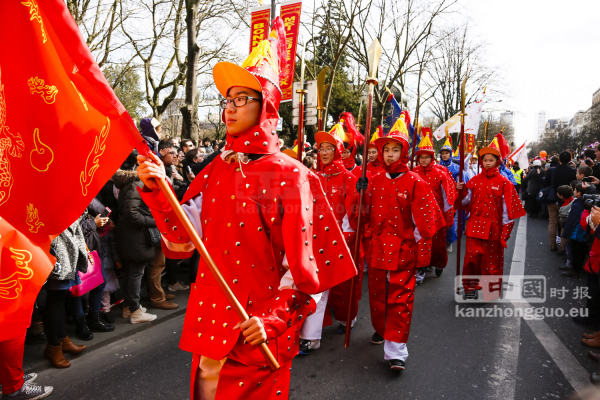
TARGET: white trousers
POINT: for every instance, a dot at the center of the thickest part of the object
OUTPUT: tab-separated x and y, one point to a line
395	351
313	325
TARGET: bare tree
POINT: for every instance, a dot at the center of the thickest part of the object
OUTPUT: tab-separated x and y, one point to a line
402	27
154	33
205	20
458	56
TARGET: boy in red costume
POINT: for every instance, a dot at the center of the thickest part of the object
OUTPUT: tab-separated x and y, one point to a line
375	165
269	229
444	190
493	204
339	186
403	218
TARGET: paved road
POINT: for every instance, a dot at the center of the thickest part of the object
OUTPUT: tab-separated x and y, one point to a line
450	357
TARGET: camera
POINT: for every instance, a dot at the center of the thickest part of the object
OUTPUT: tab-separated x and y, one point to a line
591	200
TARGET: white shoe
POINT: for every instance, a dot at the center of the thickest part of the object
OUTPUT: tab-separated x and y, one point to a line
449	247
27	378
177	286
31	391
140	315
127	314
420	276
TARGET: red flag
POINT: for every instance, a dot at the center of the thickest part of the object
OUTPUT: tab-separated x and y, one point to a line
504	147
25	267
63	132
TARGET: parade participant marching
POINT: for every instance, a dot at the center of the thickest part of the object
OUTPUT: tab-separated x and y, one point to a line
453	169
493	204
403	218
375	165
352	139
267	226
339	186
444	190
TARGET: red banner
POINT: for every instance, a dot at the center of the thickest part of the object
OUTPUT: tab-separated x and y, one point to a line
259	25
470	143
63	134
290	14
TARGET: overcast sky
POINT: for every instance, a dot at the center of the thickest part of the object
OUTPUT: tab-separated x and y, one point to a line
548	52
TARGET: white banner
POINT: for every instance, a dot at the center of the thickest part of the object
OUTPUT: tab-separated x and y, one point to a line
472	120
520	156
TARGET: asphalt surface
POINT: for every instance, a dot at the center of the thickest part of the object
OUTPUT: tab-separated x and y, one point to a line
450	357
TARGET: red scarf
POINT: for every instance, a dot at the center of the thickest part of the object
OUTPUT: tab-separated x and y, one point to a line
334	167
567	201
490	173
349	163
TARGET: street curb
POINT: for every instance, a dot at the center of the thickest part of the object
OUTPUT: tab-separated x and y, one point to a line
44	364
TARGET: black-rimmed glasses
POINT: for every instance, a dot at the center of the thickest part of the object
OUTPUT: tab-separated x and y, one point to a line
239	101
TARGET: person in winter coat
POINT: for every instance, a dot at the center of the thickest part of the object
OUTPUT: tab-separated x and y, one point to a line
71	258
151	132
136	250
533	182
576	234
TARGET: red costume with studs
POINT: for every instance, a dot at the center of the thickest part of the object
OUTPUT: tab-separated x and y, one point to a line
339	185
375	167
269	229
493	204
352	138
444	191
404	216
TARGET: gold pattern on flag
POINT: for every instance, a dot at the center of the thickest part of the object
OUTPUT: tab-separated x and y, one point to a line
80	96
33	220
48	92
11	287
35	14
42	156
10	144
92	163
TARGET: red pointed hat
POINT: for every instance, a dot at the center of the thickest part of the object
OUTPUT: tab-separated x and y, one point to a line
425	147
492	148
261	71
378	134
398	134
353	137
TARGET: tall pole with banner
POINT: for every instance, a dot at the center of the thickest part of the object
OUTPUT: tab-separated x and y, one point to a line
374	54
301	92
461	151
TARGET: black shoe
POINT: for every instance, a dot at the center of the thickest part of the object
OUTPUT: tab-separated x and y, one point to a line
342	329
587	321
308	346
397	365
571	273
83	331
107	317
40	338
438	272
377	338
96	324
564	268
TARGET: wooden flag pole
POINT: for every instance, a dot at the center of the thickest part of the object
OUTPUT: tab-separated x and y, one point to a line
321	89
212	267
374	54
301	92
461	151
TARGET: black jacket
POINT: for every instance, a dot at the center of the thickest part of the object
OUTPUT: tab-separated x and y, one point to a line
135	217
533	181
563	175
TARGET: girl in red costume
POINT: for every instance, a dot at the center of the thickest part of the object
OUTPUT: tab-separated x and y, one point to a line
493	204
443	188
403	218
352	139
339	186
267	226
375	165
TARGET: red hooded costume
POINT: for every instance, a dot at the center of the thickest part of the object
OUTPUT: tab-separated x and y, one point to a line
404	216
352	139
339	185
444	190
493	204
269	229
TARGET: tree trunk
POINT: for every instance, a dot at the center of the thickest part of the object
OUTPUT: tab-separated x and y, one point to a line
190	125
